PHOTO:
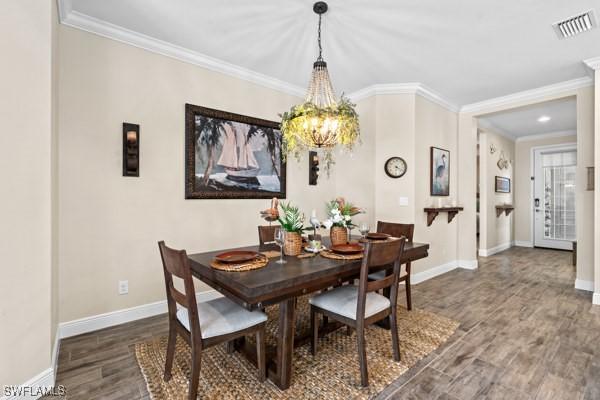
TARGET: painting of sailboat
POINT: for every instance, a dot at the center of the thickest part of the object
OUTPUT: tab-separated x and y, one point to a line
232	156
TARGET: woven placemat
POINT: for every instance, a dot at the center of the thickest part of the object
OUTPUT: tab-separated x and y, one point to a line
336	256
257	263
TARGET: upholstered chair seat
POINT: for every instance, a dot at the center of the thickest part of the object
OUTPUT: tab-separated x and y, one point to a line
221	317
343	301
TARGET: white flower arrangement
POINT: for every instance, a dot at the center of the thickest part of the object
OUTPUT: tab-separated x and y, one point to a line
340	214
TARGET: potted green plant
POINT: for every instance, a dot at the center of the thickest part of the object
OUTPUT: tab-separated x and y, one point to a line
339	219
292	222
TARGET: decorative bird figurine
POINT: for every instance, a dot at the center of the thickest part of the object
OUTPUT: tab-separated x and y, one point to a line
271	214
314	221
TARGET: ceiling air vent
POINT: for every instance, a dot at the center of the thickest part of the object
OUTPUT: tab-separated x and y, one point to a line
575	25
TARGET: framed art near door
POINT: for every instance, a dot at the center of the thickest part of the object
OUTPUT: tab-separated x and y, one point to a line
502	184
232	156
439	164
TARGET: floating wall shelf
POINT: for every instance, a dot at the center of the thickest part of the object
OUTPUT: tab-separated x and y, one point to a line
433	212
505	208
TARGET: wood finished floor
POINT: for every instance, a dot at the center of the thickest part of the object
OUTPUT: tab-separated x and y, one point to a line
525	333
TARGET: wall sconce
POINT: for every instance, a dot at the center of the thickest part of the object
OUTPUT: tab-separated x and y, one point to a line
313	167
131	149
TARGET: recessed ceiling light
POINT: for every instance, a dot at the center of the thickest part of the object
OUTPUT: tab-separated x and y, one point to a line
544	118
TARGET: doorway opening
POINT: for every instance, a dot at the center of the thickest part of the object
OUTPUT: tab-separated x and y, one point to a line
554	184
527	168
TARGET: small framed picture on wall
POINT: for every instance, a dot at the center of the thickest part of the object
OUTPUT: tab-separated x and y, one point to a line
439	164
502	184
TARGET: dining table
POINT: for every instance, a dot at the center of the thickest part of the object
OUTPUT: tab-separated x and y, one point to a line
282	284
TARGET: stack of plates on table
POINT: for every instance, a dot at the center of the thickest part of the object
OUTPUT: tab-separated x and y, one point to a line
377	236
237	256
348	248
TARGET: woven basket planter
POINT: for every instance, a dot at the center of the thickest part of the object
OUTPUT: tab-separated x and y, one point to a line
338	235
292	245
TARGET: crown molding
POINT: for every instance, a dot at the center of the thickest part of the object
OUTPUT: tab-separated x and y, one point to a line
74	19
548	135
593	63
527	95
64	8
415	88
489	127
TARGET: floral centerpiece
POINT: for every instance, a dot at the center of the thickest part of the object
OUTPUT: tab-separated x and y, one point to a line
292	222
340	214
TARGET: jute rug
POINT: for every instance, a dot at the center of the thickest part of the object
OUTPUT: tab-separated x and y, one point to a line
332	374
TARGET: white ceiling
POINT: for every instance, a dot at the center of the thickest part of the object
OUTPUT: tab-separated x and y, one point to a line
467	50
520	122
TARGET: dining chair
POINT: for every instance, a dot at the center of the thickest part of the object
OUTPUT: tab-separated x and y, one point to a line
206	324
398	230
266	233
360	306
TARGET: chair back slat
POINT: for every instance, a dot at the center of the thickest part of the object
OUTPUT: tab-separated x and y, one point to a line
397	230
266	233
175	263
373	286
180	298
379	254
384	253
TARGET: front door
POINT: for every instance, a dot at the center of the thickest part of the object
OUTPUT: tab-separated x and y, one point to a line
554	197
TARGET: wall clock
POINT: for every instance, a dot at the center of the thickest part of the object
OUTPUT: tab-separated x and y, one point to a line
395	167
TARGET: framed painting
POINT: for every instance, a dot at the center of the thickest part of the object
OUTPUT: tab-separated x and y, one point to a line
502	184
439	163
232	156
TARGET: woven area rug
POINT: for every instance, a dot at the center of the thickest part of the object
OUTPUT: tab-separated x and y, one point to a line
332	374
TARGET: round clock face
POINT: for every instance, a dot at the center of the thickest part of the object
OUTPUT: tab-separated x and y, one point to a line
395	167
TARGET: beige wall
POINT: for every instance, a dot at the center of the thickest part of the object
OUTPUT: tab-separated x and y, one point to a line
523	184
596	200
355	172
494	231
25	164
584	200
434	126
395	136
467	186
109	225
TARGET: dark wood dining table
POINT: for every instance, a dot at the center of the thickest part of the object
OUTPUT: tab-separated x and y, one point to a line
282	284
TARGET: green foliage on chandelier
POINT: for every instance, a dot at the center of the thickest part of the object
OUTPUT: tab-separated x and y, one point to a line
297	138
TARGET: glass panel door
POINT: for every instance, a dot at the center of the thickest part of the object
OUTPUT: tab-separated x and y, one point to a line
554	206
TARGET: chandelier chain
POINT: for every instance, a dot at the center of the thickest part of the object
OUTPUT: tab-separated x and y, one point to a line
320	58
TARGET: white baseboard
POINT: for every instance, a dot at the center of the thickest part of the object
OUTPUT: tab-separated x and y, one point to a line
596	299
55	351
432	272
33	388
101	321
494	250
584	285
523	243
442	269
468	264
